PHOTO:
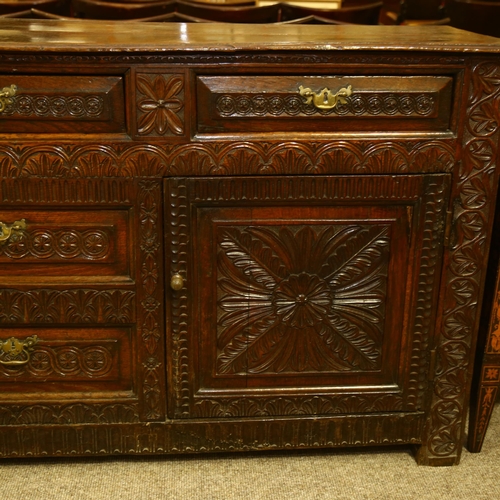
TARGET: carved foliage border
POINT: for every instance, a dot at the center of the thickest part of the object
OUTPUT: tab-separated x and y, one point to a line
225	158
186	405
475	192
151	299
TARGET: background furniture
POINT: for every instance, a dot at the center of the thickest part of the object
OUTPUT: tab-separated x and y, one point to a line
486	380
221	237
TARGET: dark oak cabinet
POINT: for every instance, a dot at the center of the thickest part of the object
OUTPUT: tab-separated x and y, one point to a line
234	238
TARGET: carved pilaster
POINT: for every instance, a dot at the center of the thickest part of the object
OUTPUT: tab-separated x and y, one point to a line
150	321
473	210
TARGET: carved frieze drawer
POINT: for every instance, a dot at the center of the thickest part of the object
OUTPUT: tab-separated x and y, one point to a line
80	362
44	243
63	104
323	103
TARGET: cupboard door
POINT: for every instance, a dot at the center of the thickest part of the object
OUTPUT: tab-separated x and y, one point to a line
302	295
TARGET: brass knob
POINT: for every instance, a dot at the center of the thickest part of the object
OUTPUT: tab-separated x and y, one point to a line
176	281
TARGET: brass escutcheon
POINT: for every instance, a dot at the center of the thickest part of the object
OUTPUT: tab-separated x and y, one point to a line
14	352
5	96
325	99
7	230
176	282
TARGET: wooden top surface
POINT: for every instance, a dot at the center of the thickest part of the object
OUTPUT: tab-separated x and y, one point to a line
113	36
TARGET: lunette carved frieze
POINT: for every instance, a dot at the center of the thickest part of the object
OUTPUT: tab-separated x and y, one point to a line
477	180
225	158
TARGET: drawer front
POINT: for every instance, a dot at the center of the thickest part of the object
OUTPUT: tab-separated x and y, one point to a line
63	104
323	104
43	243
69	360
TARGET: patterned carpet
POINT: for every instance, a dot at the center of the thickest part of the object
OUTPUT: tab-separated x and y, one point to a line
353	474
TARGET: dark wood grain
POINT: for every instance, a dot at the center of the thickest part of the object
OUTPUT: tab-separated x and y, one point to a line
329	264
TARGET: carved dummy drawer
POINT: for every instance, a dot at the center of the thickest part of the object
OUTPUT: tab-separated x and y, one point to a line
323	103
223	237
48	244
63	104
75	363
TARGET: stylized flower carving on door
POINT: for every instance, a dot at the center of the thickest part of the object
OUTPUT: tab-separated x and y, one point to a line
301	298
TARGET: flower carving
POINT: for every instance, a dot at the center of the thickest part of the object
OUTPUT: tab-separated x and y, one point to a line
303	299
161	105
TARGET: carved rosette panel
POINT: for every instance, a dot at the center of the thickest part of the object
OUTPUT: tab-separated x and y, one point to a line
371	104
309	299
151	299
55	362
473	211
89	106
160	104
230	158
92	244
42	306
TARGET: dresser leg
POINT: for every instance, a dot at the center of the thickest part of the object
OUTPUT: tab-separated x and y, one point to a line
424	456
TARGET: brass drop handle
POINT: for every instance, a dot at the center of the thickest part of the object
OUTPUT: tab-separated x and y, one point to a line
176	281
14	352
5	96
7	230
325	99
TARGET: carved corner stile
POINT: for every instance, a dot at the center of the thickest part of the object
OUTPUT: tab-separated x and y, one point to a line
475	194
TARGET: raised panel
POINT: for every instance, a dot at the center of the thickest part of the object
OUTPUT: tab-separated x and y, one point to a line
323	103
50	244
83	363
304	295
64	104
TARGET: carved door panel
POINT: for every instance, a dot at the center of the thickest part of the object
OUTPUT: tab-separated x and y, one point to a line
80	301
302	295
